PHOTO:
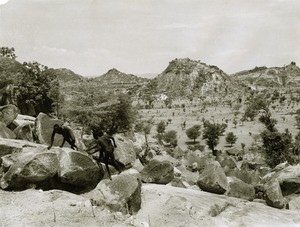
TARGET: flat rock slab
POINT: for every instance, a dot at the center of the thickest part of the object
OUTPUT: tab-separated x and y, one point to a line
164	205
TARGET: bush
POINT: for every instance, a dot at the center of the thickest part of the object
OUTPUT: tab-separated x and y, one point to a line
230	138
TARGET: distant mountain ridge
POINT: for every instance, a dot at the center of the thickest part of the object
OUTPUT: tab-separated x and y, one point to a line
114	76
181	78
263	77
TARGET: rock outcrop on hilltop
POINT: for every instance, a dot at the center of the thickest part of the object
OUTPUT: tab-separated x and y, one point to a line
185	77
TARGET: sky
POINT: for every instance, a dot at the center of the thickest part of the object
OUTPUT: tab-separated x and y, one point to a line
143	36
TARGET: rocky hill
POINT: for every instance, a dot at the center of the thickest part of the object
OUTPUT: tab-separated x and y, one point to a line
115	77
185	77
66	75
263	77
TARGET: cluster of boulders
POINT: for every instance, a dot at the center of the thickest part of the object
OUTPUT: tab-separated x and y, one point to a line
25	164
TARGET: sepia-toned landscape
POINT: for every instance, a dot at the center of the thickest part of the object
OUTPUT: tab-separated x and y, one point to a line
191	145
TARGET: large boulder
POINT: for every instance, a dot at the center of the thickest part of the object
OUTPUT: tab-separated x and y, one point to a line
8	113
171	206
8	146
239	189
288	178
159	172
202	161
33	165
25	131
21	119
44	128
177	152
122	193
233	151
294	203
273	194
228	164
213	179
243	175
124	152
77	168
6	132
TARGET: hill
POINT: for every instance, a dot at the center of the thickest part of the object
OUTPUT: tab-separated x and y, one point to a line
66	75
273	77
185	77
115	77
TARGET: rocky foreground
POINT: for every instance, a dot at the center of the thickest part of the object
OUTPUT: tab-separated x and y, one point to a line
63	187
161	206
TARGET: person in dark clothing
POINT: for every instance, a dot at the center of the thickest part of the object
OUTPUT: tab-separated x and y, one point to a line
106	145
67	134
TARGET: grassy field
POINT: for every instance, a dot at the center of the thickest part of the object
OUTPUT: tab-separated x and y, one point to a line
247	132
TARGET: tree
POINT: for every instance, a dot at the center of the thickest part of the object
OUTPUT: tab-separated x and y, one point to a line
8	52
277	146
37	86
230	138
255	104
234	122
193	132
211	133
161	127
122	115
145	128
171	137
268	121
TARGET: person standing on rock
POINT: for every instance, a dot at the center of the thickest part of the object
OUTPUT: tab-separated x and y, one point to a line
106	145
67	134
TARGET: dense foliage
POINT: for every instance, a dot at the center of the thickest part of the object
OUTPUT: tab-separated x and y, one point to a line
31	86
278	147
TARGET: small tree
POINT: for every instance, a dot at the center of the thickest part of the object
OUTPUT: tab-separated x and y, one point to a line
161	127
230	138
145	128
277	146
193	132
243	145
234	122
212	132
171	137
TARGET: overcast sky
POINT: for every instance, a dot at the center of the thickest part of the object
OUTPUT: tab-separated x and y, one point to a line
142	36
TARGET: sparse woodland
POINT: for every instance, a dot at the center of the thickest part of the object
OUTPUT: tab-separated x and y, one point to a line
191	125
